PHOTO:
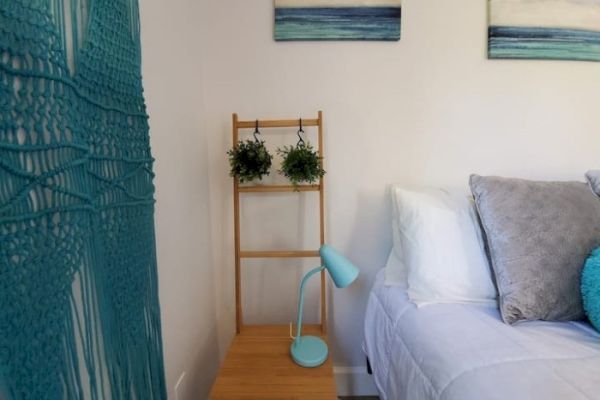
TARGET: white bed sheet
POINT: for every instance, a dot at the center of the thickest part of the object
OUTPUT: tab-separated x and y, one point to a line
465	352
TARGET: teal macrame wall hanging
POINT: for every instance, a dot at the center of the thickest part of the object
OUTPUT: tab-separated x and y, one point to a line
79	309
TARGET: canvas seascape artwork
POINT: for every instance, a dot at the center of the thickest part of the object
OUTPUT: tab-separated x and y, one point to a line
337	20
544	29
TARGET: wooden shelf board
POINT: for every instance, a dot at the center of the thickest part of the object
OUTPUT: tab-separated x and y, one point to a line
282	123
280	254
278	188
278	331
258	366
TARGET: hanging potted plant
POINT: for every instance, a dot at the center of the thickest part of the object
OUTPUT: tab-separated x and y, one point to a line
301	163
250	159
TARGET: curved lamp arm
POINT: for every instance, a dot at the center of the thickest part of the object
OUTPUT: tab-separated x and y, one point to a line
301	301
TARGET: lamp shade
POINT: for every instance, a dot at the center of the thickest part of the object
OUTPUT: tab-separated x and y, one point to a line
341	270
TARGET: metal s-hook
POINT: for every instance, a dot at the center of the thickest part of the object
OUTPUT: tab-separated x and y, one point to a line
256	132
300	140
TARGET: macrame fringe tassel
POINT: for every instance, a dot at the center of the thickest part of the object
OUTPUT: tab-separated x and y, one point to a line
79	307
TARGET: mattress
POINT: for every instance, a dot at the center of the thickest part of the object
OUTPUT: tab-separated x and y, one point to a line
465	352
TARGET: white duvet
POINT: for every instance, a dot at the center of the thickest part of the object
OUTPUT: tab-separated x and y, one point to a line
465	352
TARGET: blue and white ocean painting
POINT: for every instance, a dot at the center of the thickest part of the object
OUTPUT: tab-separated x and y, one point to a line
544	29
337	20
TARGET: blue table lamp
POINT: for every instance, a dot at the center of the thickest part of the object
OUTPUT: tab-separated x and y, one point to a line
311	351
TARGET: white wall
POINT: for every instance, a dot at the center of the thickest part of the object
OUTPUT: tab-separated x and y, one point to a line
430	109
171	65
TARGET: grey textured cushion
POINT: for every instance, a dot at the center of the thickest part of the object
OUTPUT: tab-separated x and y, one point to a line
593	178
539	235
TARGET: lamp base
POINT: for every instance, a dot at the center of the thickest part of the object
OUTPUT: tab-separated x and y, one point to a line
309	351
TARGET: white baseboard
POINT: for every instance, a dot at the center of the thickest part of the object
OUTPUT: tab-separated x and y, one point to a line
354	381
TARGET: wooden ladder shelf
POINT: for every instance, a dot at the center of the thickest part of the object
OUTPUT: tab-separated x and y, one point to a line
239	189
258	364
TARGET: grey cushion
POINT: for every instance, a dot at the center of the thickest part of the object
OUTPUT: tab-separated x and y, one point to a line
539	235
593	178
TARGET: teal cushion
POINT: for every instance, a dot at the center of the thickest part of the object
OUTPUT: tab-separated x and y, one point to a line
590	288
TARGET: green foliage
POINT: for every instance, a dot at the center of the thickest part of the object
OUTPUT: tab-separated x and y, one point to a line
300	164
249	160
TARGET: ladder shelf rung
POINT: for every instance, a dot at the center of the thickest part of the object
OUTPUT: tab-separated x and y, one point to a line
279	254
278	188
282	123
239	189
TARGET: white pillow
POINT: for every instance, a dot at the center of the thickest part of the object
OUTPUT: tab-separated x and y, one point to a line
395	271
442	248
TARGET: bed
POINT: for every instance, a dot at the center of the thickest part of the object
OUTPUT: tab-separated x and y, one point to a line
466	352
